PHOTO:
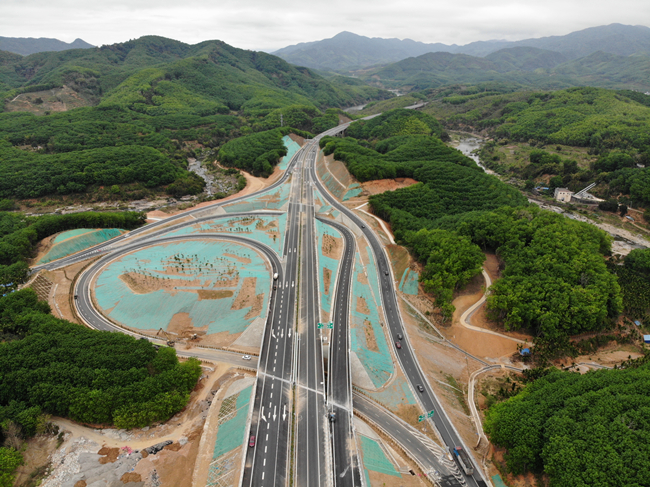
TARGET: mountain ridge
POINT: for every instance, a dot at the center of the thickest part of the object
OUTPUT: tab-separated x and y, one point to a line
349	51
32	45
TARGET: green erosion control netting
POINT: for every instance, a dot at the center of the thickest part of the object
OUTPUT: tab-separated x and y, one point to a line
375	459
497	481
323	229
329	181
367	336
292	148
272	200
231	432
268	230
409	282
73	241
394	395
353	190
203	281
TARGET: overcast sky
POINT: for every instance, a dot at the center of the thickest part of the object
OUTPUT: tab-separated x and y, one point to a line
266	25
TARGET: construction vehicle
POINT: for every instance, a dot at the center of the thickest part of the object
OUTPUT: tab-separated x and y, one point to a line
170	342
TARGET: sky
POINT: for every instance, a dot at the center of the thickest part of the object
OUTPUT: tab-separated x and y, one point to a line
267	26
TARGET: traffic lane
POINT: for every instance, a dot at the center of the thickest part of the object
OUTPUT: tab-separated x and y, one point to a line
270	469
311	465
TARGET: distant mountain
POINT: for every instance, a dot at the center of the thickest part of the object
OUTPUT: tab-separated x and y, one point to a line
29	45
347	51
525	59
525	66
437	69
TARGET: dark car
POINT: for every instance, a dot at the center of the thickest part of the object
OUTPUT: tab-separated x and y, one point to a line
386	272
398	344
399	336
420	388
251	442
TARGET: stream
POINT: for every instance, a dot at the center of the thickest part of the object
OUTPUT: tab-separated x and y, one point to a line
469	146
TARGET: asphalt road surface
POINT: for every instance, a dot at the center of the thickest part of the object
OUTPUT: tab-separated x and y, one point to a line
267	462
312	465
339	380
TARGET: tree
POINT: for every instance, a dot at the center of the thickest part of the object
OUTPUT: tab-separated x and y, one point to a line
10	460
623	210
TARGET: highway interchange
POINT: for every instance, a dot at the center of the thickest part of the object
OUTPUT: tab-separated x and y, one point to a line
297	387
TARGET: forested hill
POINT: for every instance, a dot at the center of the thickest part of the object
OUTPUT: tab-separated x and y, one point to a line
137	110
29	45
212	70
525	66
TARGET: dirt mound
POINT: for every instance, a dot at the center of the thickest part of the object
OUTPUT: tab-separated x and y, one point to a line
130	477
206	294
327	279
111	455
247	297
383	185
332	247
371	341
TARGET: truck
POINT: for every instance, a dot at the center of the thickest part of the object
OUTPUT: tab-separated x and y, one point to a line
463	460
275	276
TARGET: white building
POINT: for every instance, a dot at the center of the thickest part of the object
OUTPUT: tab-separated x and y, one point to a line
563	195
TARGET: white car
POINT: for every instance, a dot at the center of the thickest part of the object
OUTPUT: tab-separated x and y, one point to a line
246	357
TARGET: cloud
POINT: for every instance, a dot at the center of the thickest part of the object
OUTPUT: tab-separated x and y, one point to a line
259	24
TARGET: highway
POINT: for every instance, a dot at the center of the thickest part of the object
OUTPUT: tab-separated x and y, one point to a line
268	463
312	456
289	355
339	377
405	354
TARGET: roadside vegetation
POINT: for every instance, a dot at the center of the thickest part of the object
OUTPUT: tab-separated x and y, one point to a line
50	366
580	430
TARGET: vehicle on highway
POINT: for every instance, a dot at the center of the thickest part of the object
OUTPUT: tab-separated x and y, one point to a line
363	226
463	460
246	357
420	388
275	276
399	336
332	417
398	344
251	442
386	272
275	288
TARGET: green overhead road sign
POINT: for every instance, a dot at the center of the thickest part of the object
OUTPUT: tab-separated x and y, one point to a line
330	325
321	325
422	417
